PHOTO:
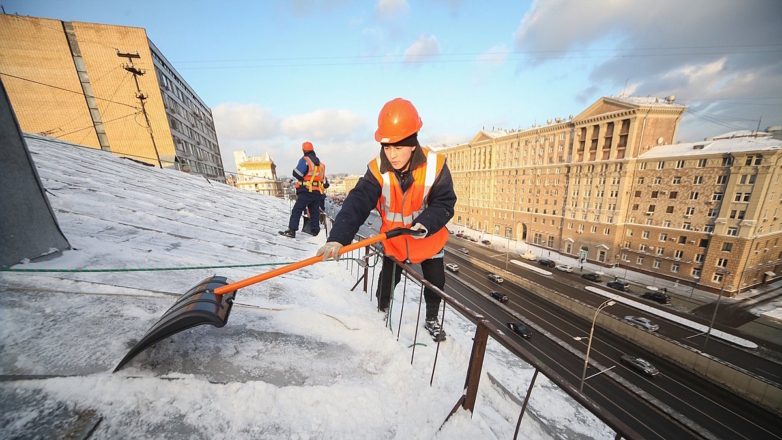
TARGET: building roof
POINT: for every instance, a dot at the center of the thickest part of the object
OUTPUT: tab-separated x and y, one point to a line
741	133
646	101
723	146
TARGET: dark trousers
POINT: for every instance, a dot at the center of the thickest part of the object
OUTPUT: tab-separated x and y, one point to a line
305	200
434	272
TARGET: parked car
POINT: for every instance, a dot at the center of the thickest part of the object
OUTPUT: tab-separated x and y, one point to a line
473	239
640	364
546	262
565	268
499	296
450	231
452	267
464	250
619	285
529	256
486	242
494	277
460	235
520	329
642	322
657	296
591	277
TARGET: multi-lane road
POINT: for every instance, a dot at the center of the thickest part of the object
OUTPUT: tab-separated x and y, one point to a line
713	409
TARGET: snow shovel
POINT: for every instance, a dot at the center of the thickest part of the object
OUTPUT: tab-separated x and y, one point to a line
210	301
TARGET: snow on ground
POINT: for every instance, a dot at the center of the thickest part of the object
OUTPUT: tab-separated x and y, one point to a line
301	356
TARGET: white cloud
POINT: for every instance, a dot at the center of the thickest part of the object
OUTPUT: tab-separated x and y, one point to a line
391	8
245	121
323	124
424	49
494	57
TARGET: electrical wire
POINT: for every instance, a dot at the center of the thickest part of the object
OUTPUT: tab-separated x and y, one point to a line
66	90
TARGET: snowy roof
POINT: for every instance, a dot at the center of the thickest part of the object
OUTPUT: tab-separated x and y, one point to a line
713	147
741	133
648	100
302	356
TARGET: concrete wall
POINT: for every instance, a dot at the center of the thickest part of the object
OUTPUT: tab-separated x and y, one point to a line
740	381
28	228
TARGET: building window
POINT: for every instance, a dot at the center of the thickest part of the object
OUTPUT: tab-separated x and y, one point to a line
594	229
677	180
678	254
663	237
642	247
660	251
713	212
694	195
660	165
674	268
625	258
758	160
669	210
667	224
722	262
733	232
697	180
607	231
680	164
645	235
696	273
690	210
673	194
746	197
654	194
640	180
722	180
642	166
640	260
708	228
717	278
702	163
656	264
727	247
687	226
682	239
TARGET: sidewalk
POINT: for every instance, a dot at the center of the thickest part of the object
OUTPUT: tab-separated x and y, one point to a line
688	297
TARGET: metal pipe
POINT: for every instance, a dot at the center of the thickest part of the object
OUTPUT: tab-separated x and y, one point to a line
607	303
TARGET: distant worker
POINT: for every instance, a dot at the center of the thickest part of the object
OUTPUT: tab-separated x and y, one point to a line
310	174
411	186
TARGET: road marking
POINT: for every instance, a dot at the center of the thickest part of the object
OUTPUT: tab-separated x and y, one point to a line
760	369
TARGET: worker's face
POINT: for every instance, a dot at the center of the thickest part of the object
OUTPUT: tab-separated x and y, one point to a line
399	156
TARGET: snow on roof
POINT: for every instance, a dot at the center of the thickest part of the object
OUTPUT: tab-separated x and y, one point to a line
713	147
648	100
741	133
301	356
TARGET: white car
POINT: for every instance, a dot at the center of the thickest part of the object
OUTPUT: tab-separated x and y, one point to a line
529	256
452	267
565	268
642	322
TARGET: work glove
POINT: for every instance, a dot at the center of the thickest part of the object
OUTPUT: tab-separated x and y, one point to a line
330	250
419	230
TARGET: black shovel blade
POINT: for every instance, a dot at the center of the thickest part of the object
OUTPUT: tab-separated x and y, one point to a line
196	307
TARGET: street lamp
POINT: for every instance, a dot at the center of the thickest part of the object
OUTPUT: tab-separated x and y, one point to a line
607	303
724	274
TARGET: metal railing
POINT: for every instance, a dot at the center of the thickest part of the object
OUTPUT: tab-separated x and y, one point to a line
484	330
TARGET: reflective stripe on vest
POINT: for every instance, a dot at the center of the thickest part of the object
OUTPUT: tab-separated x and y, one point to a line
399	217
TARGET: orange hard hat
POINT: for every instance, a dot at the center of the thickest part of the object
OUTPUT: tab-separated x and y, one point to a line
307	146
397	120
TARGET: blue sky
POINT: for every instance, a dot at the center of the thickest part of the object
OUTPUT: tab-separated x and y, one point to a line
277	73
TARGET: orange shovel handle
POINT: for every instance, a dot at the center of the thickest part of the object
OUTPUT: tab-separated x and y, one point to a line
297	265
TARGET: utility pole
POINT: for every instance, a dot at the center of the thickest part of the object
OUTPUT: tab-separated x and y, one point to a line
758	129
141	97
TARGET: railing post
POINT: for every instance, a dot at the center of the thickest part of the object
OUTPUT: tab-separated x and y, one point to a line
526	400
366	268
476	365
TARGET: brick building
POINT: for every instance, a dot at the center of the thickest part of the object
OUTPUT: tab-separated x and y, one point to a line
74	81
592	186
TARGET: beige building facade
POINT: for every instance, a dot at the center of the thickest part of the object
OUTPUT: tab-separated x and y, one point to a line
592	186
257	174
75	81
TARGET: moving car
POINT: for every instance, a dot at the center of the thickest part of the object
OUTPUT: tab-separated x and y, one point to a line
464	250
486	242
565	268
642	322
640	364
591	277
494	277
546	262
619	285
499	296
529	256
657	296
520	329
452	267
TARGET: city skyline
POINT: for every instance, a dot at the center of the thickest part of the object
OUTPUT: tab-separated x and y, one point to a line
278	73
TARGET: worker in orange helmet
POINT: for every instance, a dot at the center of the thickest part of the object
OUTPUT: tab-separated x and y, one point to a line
311	184
411	187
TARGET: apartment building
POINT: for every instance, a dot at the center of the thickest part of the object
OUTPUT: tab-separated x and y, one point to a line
572	185
258	174
85	83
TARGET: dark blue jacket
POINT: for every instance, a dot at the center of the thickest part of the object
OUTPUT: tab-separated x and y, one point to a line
302	168
364	197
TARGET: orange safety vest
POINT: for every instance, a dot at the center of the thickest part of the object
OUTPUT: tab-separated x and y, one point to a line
398	209
315	177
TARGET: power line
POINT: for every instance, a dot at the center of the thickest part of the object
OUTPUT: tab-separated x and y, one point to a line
66	90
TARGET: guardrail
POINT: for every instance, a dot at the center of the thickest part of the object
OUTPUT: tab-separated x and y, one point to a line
484	330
